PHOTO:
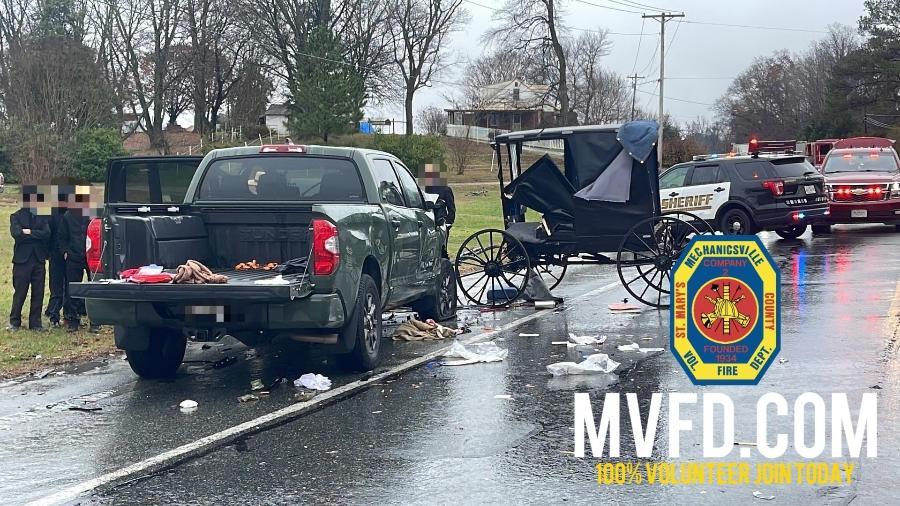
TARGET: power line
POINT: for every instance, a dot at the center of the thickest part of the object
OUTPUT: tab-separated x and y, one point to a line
638	52
494	9
730	25
644	6
608	7
662	17
677	99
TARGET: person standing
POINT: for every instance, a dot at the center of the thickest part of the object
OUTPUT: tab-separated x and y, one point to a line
71	243
31	234
57	264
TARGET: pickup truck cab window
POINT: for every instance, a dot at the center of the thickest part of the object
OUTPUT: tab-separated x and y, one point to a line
386	180
410	188
282	178
150	180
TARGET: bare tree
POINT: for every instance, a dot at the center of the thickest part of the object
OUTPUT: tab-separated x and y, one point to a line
432	120
421	29
143	48
368	41
598	95
535	27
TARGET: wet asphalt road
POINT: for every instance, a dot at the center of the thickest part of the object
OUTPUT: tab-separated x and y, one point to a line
438	435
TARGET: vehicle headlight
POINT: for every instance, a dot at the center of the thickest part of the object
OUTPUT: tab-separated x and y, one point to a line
895	190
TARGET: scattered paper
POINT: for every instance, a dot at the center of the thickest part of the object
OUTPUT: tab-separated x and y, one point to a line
248	398
586	340
188	404
624	307
474	353
757	494
635	347
522	334
313	382
593	364
503	396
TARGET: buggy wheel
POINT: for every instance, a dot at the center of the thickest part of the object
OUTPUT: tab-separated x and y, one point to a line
703	226
552	269
646	256
492	268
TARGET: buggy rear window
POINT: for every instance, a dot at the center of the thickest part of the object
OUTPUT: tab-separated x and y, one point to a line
282	178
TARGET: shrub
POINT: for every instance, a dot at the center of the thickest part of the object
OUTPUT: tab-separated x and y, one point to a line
91	151
413	150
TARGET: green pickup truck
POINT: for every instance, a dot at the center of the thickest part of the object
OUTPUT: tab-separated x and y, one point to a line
371	238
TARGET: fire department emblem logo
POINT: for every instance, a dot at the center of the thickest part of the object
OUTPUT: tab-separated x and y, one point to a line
725	310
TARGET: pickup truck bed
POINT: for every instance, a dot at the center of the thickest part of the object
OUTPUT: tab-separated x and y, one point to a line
240	287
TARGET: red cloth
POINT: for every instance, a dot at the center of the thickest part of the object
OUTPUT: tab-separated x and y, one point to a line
127	273
164	277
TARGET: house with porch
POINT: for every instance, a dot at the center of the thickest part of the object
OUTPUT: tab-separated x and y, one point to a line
506	106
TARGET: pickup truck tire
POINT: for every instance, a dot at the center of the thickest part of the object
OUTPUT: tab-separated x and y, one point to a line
440	305
163	355
364	328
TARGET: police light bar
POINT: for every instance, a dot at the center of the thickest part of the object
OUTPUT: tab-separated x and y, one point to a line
282	148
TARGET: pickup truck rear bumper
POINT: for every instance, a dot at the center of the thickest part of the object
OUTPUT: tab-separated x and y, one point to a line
316	311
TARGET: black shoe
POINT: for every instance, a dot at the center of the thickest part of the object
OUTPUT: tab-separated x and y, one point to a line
54	324
72	326
94	329
38	329
13	328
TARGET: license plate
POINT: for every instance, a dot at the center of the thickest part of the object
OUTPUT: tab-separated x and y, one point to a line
810	189
858	213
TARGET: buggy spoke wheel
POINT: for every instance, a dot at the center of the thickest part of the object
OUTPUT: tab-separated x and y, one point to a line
647	253
551	269
492	259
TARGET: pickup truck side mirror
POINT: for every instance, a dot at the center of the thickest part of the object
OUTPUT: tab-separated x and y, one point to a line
440	211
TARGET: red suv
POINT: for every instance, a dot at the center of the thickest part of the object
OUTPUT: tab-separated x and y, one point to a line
862	176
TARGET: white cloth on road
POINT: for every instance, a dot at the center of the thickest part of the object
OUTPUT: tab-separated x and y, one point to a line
313	382
594	364
474	353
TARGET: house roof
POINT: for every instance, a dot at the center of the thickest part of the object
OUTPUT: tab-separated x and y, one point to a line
277	110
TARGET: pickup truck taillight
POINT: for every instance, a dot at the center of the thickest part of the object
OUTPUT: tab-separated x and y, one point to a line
776	187
326	249
93	244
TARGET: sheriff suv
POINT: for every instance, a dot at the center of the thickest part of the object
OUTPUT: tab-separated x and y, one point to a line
747	194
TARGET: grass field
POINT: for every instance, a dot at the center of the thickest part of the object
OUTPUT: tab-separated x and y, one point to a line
19	349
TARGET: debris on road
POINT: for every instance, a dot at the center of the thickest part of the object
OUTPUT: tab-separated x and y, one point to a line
415	330
248	398
757	494
544	304
474	353
624	308
42	374
782	360
304	395
86	409
635	347
256	384
594	364
188	405
225	362
313	382
586	340
399	316
468	318
506	397
522	334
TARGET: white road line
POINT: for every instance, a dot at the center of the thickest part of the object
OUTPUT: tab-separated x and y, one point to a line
278	417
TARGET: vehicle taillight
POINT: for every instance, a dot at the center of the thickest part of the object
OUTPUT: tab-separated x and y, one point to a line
326	248
93	245
776	187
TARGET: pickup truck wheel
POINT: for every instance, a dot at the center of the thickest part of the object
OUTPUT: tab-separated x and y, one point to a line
163	355
364	328
441	304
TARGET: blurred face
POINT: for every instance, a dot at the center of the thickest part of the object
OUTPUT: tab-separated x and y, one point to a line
34	198
85	200
432	175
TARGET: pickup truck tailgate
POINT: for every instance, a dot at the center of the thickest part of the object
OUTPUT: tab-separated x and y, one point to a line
241	287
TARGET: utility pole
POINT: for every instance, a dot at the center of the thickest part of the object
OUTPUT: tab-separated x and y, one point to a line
662	17
634	80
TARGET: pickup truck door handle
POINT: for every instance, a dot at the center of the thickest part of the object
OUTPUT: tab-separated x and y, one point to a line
673	194
396	223
719	189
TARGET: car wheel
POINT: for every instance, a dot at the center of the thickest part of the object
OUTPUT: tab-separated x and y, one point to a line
364	328
821	229
791	232
736	222
441	304
163	355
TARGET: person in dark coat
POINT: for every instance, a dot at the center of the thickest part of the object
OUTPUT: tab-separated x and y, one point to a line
57	264
71	239
31	233
434	183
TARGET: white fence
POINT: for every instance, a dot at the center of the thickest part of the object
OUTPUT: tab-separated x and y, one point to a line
482	134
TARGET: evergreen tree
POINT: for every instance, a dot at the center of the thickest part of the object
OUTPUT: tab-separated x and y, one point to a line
327	94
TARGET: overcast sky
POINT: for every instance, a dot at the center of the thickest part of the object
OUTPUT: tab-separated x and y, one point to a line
701	59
